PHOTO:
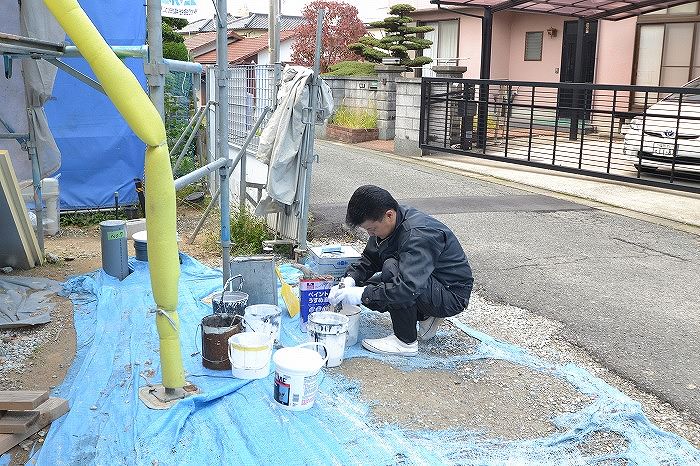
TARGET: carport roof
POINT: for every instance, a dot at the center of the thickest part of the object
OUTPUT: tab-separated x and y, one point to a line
588	9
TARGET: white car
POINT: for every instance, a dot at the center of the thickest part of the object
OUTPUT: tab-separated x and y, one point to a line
660	147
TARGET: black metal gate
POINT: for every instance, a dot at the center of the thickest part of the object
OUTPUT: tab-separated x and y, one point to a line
646	135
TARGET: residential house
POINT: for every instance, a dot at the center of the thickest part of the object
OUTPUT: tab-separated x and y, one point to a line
657	48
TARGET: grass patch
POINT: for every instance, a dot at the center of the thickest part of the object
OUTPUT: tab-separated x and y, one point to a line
89	218
355	118
351	68
248	231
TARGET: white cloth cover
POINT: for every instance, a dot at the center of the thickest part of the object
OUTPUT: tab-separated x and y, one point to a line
282	137
29	88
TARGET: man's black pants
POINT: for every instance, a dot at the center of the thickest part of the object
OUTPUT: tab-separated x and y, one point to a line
435	301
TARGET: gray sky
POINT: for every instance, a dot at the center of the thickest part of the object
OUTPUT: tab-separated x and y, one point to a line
369	10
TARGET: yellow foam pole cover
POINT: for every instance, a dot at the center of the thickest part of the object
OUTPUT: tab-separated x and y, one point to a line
163	260
126	94
118	82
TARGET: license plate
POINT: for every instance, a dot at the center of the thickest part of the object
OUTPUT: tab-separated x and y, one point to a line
663	148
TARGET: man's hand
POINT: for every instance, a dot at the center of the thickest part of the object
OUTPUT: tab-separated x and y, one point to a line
333	295
347	295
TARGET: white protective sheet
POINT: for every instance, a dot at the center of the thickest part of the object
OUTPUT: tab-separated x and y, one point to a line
281	139
29	88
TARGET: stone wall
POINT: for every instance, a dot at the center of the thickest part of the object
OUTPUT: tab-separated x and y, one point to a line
407	117
398	107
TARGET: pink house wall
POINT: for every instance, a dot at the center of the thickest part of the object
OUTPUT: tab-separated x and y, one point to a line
614	55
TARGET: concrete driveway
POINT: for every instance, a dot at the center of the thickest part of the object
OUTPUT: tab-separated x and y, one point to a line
625	289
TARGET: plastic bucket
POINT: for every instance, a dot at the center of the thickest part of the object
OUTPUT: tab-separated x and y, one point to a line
141	245
216	330
249	353
331	329
353	314
296	376
229	301
263	318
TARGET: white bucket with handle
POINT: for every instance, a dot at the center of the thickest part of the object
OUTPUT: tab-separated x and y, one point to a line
331	329
249	353
296	376
263	318
352	312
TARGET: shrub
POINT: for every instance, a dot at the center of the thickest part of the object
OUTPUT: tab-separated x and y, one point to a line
356	118
248	231
351	68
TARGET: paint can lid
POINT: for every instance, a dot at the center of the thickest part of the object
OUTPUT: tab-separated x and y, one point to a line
298	361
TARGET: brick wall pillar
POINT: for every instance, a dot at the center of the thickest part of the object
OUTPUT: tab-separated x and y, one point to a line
386	99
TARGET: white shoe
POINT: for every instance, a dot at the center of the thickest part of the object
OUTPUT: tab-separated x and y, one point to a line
390	345
428	327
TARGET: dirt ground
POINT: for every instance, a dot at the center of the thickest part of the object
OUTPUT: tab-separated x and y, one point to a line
493	397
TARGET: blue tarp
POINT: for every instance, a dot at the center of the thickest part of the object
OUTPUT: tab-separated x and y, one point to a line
238	422
100	154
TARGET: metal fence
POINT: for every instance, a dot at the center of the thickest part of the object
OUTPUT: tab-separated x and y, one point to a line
647	135
251	88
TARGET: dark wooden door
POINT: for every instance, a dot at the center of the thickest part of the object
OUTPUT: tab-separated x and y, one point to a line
568	61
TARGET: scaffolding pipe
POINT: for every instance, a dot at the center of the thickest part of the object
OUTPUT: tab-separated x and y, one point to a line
240	154
155	69
222	126
193	176
198	117
308	153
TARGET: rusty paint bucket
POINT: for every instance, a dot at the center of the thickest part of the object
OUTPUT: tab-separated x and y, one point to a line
216	329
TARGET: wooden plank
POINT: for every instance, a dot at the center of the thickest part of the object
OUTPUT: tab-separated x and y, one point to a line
49	411
18	400
16	422
19	247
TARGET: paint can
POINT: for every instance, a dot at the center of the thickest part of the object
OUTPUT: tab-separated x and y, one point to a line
352	312
115	255
141	245
216	329
331	329
249	354
229	301
263	318
296	376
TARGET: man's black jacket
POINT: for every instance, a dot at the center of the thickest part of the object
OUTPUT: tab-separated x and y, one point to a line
423	247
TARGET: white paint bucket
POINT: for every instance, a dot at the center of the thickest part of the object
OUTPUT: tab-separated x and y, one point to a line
331	329
353	314
249	353
296	376
263	318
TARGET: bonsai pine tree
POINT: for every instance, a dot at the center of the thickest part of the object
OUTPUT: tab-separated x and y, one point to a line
398	40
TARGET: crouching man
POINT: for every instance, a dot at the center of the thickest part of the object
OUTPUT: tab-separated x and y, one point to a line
413	267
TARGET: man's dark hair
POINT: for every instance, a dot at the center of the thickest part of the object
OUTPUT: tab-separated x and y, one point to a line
369	202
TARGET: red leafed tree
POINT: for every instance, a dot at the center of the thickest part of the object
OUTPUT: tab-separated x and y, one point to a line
341	27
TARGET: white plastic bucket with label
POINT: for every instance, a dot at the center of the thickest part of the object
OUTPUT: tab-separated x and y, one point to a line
263	318
331	329
249	353
353	314
296	376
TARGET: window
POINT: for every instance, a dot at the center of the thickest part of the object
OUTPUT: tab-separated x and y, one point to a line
533	46
444	49
668	51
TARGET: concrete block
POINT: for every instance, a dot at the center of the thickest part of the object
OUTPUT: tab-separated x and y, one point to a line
407	147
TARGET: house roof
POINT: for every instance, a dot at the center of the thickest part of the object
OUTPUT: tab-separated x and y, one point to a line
588	9
242	50
252	21
261	21
205	41
204	25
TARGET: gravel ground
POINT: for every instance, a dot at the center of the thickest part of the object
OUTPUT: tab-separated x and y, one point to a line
541	337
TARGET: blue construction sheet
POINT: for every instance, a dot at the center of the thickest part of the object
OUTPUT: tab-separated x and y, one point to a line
100	155
238	422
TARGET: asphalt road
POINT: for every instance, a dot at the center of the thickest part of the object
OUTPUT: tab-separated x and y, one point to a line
626	290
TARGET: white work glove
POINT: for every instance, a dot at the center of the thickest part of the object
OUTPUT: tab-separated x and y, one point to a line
335	290
349	295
